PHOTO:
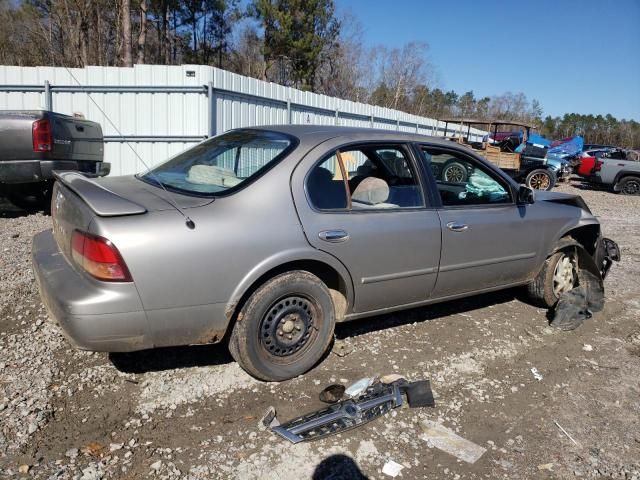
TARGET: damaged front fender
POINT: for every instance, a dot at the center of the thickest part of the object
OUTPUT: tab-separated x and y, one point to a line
578	304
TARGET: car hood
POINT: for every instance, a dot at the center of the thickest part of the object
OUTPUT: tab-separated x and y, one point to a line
563	198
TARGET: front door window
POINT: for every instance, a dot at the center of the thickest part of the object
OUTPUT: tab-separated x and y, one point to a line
462	182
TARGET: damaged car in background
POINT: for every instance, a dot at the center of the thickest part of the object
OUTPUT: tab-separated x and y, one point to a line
266	237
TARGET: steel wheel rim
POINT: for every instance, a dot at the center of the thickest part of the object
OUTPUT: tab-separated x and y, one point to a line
454	174
289	327
540	181
632	187
565	275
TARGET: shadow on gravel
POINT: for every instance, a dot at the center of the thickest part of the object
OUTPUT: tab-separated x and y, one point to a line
581	185
171	358
338	467
423	314
9	210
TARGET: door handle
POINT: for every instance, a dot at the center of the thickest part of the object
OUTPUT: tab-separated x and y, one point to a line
457	227
334	236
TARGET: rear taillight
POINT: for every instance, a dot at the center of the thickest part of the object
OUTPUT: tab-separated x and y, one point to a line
597	166
41	136
99	257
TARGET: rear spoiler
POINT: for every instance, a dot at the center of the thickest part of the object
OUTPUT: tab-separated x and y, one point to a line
103	202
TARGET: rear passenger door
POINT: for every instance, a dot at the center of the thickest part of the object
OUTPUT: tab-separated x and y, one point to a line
364	204
487	239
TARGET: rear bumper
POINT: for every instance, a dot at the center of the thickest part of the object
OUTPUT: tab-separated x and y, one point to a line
28	171
94	315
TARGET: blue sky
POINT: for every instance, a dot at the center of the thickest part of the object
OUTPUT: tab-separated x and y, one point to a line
572	56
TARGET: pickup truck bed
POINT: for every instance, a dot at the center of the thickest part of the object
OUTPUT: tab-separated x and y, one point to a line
35	143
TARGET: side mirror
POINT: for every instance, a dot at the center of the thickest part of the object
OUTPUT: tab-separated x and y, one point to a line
525	195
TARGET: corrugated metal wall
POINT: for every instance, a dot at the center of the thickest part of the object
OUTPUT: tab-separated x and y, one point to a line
164	122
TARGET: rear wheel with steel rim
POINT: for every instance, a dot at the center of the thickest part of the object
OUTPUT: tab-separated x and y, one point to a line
540	179
630	186
284	328
288	327
558	275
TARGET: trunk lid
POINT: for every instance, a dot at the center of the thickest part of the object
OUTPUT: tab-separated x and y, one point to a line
126	195
77	200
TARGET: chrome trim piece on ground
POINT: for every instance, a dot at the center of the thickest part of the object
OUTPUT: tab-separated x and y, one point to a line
376	401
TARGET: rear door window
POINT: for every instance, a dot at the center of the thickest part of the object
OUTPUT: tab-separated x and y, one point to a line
366	177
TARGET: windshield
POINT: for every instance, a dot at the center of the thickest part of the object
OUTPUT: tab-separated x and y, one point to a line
221	163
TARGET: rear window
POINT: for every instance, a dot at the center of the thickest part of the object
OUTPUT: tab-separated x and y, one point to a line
222	163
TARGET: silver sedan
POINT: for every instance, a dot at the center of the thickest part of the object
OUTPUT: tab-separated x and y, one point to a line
266	237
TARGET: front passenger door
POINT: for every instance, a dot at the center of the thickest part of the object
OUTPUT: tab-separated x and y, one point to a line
485	239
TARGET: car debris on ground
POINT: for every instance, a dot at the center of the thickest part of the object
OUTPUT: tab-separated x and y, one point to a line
536	374
565	432
365	400
195	410
392	468
332	393
437	435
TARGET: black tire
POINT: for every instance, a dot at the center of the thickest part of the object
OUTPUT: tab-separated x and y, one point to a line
284	328
543	290
454	172
30	196
540	179
629	186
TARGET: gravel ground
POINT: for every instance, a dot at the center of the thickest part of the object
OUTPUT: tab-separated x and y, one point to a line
192	412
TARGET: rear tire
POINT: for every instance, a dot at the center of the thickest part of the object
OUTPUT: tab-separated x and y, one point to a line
629	186
558	275
284	328
540	179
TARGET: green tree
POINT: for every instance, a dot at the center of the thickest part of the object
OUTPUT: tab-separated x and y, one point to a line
296	33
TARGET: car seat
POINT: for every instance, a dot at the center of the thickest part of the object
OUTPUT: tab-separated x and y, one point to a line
325	192
372	192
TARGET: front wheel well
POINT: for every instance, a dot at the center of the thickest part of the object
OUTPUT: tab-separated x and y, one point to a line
587	236
327	274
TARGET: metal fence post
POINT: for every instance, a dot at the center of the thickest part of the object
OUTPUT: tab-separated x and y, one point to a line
417	128
48	99
397	124
289	111
212	110
337	117
372	121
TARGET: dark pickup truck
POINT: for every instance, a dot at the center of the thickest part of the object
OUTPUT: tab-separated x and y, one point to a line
34	143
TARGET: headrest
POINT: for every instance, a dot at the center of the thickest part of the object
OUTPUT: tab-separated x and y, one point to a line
371	190
319	174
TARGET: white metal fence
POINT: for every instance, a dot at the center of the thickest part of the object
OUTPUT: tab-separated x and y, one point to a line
162	110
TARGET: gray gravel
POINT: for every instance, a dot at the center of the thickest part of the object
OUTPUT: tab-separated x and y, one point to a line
192	412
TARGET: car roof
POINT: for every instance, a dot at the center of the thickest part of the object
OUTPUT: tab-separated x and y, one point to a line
320	133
